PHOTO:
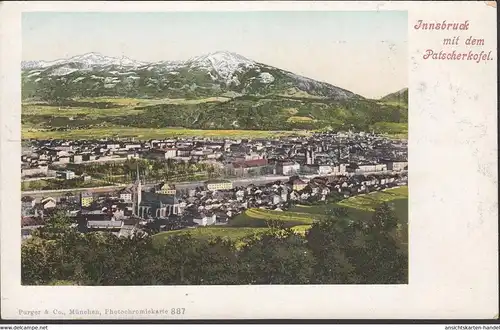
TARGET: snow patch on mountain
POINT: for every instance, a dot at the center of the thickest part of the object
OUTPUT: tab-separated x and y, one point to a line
62	71
266	78
88	60
225	64
233	81
109	80
35	73
26	65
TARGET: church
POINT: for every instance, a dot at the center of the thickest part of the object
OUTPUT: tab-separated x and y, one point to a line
160	202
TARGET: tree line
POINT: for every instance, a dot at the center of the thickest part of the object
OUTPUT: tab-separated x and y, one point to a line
336	250
149	170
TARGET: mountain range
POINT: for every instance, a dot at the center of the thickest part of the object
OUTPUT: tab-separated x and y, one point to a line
212	74
256	95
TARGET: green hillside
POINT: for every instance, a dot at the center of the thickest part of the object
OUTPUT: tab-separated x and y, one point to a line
398	98
272	112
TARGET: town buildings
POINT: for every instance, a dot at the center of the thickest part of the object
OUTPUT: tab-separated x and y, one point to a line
263	173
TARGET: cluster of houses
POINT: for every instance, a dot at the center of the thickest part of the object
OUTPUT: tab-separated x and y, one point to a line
321	154
167	207
327	164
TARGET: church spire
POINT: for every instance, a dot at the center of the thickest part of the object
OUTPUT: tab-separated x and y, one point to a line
137	192
137	178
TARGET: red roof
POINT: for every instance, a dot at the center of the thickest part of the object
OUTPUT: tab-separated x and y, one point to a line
251	163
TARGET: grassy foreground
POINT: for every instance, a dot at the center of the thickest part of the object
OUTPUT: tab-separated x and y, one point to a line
236	234
259	218
207	232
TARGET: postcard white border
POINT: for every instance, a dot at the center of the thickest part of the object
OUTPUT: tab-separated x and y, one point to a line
453	188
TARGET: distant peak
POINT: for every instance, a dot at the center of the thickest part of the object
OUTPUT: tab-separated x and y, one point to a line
225	52
222	55
89	55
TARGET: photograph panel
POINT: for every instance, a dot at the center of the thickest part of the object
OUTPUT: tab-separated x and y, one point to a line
256	151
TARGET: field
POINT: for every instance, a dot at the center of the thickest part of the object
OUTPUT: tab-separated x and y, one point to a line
259	217
243	116
364	205
394	130
149	133
97	117
358	206
236	234
369	201
299	119
207	232
103	117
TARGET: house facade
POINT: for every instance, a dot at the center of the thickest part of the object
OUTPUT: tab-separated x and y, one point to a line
214	185
86	199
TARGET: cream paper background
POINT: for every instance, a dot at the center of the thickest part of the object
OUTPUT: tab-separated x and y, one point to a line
453	188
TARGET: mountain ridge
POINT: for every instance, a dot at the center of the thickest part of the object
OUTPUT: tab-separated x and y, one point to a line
256	96
208	74
401	96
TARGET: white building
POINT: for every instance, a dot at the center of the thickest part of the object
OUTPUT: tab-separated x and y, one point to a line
397	166
339	169
67	175
162	153
126	195
112	146
204	220
48	203
372	168
132	146
288	168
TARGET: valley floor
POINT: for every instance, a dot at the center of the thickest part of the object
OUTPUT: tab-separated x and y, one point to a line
159	118
150	133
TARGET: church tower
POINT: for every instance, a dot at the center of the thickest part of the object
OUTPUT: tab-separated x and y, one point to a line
137	192
310	157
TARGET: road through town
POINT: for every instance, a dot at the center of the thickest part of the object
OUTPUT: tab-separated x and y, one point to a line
240	182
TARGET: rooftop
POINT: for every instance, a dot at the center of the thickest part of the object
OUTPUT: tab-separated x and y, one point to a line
217	181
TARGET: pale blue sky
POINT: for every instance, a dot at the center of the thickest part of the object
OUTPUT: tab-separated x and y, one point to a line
365	52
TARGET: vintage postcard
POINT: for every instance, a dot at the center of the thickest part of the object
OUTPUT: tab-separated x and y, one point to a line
222	160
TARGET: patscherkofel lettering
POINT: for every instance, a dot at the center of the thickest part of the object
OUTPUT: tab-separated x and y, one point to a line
459	56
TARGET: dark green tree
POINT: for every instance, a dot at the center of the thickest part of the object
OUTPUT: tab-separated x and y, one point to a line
381	260
332	242
278	257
